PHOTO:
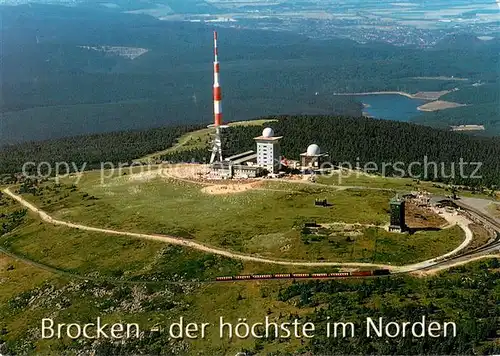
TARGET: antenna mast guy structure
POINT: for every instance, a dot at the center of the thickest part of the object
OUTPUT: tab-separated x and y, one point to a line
217	93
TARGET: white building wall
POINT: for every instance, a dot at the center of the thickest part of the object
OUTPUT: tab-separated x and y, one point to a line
268	155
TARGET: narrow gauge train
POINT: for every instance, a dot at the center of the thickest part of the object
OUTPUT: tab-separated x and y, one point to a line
376	272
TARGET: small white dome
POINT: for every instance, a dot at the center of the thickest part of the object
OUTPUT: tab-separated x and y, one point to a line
313	150
268	132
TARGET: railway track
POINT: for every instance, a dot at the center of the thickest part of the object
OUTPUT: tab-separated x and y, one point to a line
482	251
354	274
381	271
490	247
480	215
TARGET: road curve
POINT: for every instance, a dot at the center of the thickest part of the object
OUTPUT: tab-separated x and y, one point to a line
187	243
243	257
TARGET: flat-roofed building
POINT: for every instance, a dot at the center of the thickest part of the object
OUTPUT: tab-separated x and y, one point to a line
241	165
268	150
397	208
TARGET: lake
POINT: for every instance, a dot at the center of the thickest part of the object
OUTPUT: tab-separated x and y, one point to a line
391	106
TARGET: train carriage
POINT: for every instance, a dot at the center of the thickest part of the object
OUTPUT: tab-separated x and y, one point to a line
377	272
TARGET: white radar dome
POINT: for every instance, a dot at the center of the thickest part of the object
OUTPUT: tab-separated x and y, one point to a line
313	150
268	132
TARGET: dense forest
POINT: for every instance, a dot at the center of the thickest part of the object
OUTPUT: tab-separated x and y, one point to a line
115	147
465	295
346	139
483	108
53	88
467	300
349	139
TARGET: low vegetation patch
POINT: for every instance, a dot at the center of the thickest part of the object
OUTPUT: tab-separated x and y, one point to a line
242	222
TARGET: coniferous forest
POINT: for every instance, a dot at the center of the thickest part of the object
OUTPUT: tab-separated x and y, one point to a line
115	147
346	139
349	139
57	86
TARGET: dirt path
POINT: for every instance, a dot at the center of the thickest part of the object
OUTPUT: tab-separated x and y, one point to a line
457	263
462	222
452	220
187	243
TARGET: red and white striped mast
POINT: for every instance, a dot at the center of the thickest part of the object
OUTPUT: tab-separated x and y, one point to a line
217	94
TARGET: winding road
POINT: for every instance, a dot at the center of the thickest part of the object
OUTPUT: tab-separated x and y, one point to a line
187	243
437	263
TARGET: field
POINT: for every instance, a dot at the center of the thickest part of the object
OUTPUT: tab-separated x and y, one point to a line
267	220
79	275
361	179
349	179
29	294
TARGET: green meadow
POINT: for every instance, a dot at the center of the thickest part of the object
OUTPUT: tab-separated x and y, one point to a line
80	275
267	221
